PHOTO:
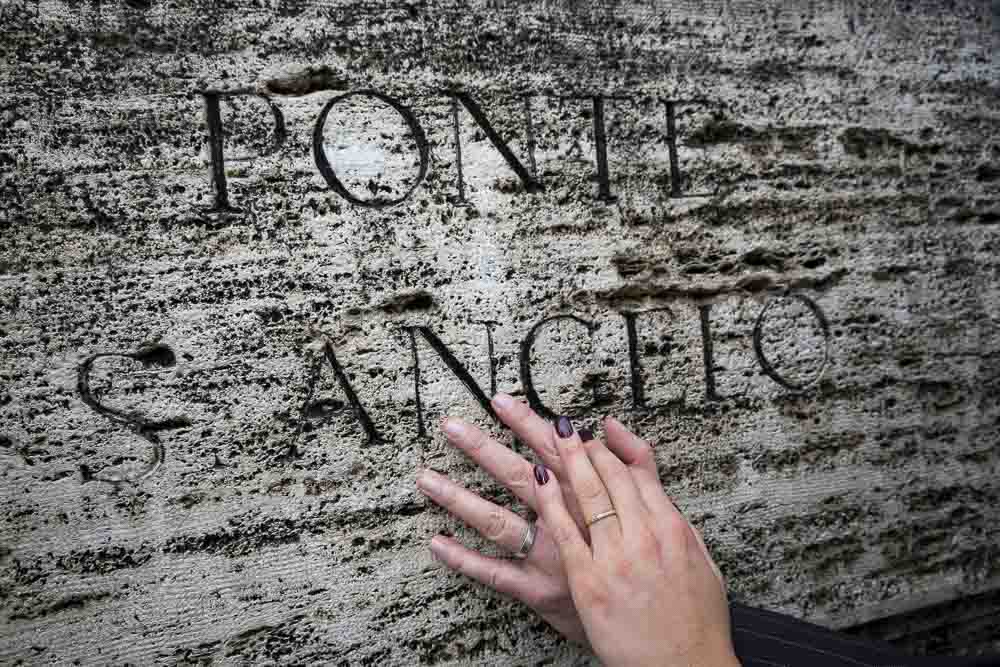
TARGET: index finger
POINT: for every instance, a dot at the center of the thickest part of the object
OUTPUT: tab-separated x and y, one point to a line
573	550
530	428
502	464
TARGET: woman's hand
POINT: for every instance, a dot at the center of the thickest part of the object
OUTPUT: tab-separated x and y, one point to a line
539	580
644	585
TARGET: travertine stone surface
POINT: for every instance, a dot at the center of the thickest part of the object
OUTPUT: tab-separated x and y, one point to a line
185	478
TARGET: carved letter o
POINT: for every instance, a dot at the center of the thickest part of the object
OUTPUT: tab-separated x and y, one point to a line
326	169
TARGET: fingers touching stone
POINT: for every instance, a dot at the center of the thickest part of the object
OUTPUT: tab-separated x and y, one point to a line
528	427
502	464
500	575
495	523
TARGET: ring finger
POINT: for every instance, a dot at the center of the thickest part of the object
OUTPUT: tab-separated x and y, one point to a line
591	494
497	524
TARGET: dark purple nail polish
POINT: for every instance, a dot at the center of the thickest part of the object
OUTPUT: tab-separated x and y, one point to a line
541	474
564	427
586	434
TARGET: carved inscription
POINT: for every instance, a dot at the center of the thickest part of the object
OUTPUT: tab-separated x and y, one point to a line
145	429
421	336
526	175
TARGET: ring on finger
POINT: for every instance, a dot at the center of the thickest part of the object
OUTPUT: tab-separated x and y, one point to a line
528	541
600	515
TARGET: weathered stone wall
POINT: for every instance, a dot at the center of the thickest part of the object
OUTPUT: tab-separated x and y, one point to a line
252	374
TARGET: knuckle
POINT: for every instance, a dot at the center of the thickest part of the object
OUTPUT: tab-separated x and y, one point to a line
591	489
519	477
478	441
550	449
562	535
593	448
519	416
573	447
446	496
496	525
619	474
519	412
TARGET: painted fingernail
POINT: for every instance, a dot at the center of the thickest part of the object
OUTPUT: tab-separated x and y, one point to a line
503	401
586	434
541	474
564	427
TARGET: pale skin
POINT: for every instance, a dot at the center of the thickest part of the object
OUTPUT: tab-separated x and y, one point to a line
637	588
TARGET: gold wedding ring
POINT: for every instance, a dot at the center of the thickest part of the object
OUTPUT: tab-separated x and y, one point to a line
602	515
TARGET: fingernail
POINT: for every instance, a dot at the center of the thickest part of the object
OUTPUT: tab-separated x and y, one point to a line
428	483
437	548
586	434
541	474
503	401
564	427
452	427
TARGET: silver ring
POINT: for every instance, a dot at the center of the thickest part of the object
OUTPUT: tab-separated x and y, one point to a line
527	541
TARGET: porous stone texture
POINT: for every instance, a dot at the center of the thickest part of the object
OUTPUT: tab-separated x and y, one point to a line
186	477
